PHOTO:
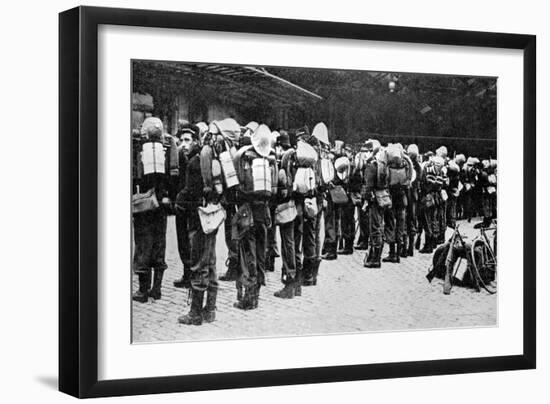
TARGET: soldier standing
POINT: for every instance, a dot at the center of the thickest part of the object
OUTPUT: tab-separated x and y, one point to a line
378	199
155	170
399	171
286	212
412	203
257	173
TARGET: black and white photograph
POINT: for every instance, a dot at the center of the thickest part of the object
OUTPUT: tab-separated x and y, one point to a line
274	201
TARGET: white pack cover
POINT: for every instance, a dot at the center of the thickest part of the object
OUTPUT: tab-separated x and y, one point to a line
228	169
153	158
304	180
261	174
306	154
327	170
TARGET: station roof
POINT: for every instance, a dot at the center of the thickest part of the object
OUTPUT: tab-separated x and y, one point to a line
245	85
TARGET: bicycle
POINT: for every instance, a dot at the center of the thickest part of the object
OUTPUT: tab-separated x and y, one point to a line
484	259
480	262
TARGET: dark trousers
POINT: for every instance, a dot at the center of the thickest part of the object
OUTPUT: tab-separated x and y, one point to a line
203	256
150	241
376	223
252	248
489	205
451	211
428	222
287	251
363	215
272	250
182	235
330	228
394	218
305	247
232	248
345	222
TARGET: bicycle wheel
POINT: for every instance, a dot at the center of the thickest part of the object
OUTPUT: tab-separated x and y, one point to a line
484	265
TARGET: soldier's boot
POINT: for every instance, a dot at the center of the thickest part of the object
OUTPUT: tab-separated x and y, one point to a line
256	296
247	299
209	311
391	257
288	291
428	246
404	251
155	292
142	294
330	252
185	280
270	263
362	245
307	272
368	257
315	270
298	283
194	317
375	253
397	256
410	251
418	241
231	273
348	247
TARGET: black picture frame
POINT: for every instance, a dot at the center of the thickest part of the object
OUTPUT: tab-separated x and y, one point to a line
78	196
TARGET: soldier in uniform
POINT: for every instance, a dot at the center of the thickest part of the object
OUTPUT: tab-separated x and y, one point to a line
272	249
398	172
363	214
453	174
412	203
376	196
156	170
345	220
186	135
204	186
306	179
430	184
290	275
257	173
442	197
330	246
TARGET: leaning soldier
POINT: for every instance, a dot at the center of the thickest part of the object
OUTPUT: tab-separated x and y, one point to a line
156	175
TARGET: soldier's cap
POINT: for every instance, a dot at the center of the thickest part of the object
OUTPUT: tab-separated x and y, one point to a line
283	139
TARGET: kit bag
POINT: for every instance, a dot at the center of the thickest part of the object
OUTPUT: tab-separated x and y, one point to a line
228	168
144	202
304	180
153	158
306	154
285	212
241	222
338	195
327	171
383	198
397	176
310	208
211	217
371	175
257	173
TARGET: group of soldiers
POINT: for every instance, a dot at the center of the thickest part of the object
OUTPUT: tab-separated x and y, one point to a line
255	180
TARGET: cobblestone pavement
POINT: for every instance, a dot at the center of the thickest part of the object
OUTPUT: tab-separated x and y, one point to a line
347	298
